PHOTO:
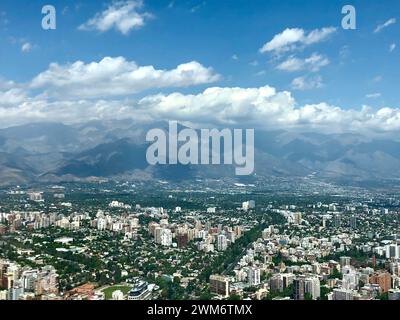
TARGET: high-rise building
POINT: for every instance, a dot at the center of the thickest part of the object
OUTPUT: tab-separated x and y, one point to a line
230	235
323	223
353	222
395	268
35	196
297	219
47	281
253	276
152	228
343	294
345	261
312	286
287	279
101	224
219	285
238	231
157	234
247	205
351	278
392	251
28	279
276	283
16	291
383	279
298	289
222	243
166	237
337	220
182	240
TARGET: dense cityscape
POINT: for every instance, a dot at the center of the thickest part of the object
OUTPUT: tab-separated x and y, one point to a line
171	241
199	158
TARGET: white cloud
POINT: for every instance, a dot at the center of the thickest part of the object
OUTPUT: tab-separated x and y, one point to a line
291	64
220	105
6	84
197	7
262	107
313	63
260	73
254	63
392	47
12	97
373	95
307	83
26	47
266	108
291	39
56	90
388	23
235	57
117	77
283	41
123	16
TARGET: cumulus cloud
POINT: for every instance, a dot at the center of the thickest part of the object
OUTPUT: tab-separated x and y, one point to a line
291	39
6	84
307	83
267	108
262	107
12	97
220	105
392	47
67	111
313	63
122	16
26	47
388	23
53	96
117	77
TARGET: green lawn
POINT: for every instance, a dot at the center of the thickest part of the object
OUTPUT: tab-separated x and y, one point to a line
108	291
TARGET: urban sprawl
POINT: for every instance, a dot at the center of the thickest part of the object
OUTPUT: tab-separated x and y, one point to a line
125	241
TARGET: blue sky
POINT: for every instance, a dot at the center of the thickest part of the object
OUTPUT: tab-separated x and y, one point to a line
357	67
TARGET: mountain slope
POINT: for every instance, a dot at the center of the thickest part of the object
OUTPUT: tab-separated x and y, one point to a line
118	148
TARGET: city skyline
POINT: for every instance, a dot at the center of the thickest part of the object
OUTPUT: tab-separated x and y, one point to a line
199	157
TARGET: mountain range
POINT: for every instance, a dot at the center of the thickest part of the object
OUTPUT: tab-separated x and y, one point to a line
54	152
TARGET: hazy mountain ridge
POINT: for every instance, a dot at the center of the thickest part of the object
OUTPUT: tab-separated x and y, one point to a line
51	151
